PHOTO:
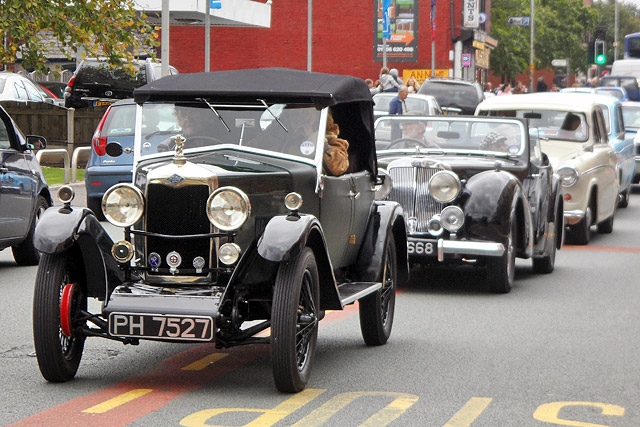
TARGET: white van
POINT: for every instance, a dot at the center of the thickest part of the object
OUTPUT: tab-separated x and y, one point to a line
626	67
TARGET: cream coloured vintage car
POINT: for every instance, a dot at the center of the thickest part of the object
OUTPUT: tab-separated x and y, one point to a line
572	131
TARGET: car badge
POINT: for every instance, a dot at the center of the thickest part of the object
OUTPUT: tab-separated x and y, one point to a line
108	93
175	179
412	224
154	261
198	264
174	260
307	148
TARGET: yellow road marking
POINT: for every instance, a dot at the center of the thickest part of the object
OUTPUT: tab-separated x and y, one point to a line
118	400
469	412
204	362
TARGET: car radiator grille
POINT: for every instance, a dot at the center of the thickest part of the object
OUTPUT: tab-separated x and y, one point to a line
178	211
410	189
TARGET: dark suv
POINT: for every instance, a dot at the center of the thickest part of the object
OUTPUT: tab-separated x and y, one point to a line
454	96
24	194
96	83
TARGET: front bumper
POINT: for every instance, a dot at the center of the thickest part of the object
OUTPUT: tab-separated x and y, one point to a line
463	247
573	217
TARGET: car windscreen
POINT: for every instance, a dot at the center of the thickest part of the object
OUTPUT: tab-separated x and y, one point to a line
452	95
282	129
552	124
101	75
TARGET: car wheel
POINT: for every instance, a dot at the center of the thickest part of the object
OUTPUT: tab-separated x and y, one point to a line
624	199
25	253
581	232
545	264
606	226
95	204
501	270
58	303
377	309
294	322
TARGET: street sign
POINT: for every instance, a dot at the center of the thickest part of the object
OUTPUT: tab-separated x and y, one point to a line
518	21
559	62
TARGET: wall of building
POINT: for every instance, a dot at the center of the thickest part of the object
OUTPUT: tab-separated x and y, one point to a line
343	38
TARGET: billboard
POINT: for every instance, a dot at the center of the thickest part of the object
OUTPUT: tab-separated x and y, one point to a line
397	22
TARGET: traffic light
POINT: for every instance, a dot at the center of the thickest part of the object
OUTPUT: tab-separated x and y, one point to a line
600	52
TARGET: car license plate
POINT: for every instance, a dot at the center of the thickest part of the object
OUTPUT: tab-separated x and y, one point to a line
102	103
162	327
422	247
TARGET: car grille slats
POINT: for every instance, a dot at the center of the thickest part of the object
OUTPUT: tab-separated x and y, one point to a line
178	211
410	189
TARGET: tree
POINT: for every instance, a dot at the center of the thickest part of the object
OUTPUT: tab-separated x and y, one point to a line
33	29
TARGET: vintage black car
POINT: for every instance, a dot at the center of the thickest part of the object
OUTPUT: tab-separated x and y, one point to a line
474	191
229	229
24	194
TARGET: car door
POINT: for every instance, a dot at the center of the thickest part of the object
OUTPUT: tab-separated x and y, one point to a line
18	184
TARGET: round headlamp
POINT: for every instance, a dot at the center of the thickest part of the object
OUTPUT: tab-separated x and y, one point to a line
444	186
293	201
66	194
229	253
228	208
568	176
452	218
123	205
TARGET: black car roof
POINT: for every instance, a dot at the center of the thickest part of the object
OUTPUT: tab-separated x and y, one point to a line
274	85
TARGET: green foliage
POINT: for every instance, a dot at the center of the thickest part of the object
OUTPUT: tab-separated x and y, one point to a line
107	28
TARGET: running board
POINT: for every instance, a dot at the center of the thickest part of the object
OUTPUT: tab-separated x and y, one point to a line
353	291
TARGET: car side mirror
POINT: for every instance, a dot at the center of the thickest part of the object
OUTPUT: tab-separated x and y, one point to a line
36	142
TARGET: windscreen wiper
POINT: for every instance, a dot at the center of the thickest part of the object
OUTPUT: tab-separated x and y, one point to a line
273	115
212	108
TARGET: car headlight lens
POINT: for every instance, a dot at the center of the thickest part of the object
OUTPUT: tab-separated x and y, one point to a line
293	201
444	186
229	253
228	208
452	218
123	205
568	176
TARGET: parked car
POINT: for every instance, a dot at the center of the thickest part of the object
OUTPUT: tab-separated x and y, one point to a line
631	116
454	96
617	91
54	90
97	83
118	124
426	104
231	230
24	194
14	87
629	83
475	191
586	163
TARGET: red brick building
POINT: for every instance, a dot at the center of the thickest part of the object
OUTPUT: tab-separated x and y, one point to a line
345	39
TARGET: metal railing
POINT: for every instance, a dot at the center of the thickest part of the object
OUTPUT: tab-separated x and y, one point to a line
70	168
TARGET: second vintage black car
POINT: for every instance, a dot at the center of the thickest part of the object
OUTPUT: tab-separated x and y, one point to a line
475	190
243	216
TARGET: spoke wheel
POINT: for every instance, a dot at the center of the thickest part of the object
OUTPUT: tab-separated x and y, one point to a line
58	353
377	309
501	270
294	322
26	253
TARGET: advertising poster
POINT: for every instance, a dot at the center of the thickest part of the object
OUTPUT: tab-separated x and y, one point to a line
397	19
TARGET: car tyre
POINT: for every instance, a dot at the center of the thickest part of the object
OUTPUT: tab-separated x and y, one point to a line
25	253
501	270
581	232
58	354
377	309
624	199
606	226
545	264
294	322
95	204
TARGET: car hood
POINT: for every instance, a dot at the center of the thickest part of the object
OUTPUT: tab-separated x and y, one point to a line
560	152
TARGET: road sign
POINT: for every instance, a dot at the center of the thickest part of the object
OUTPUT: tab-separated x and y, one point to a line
518	21
559	62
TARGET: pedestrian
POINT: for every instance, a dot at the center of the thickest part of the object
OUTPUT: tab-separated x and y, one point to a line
397	106
396	77
412	85
389	84
373	87
541	85
505	89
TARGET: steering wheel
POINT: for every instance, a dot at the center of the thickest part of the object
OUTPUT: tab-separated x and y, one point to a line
412	142
191	142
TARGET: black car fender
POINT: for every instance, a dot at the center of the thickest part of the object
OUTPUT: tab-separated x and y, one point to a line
76	229
386	218
491	198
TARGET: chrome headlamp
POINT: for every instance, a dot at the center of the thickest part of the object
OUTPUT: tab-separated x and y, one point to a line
123	205
452	218
568	176
444	186
228	208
